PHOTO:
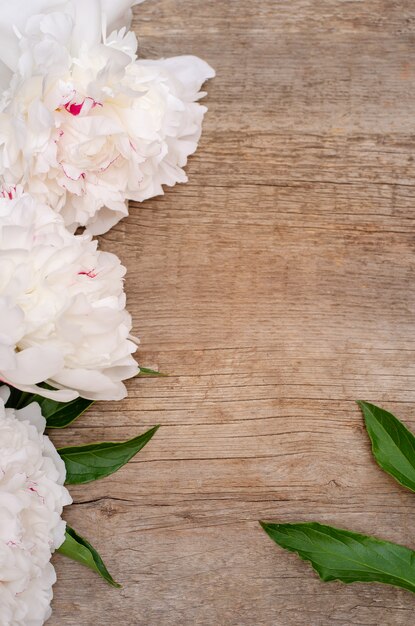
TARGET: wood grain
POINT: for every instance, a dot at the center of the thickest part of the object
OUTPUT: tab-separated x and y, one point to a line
275	288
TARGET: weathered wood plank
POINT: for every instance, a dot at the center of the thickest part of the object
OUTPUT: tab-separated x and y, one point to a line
275	288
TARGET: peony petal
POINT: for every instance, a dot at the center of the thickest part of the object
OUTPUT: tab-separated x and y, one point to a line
87	24
15	15
190	70
34	365
60	395
11	322
4	393
92	384
32	497
118	13
62	309
32	414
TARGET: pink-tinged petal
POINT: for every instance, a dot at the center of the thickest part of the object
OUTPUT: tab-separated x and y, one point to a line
72	172
9	192
74	109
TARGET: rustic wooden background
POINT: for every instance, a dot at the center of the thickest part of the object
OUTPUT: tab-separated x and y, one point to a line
275	288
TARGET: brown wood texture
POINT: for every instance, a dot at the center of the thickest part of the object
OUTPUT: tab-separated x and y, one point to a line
275	288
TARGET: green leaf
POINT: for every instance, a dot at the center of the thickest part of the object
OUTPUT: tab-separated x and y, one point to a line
79	549
145	371
337	554
61	414
393	445
20	399
57	414
97	460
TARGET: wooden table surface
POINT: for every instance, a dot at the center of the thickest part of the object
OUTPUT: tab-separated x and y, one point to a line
275	288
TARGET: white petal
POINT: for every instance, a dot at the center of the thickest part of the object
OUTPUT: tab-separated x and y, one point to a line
34	365
190	70
32	497
15	15
87	24
32	414
62	309
118	13
59	395
4	393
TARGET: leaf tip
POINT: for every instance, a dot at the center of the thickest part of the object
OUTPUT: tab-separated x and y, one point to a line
365	407
266	526
146	371
114	583
153	430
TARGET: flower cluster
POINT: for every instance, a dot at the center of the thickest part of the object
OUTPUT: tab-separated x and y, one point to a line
62	308
31	500
85	126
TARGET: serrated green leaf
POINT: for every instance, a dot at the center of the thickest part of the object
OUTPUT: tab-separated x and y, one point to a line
98	460
145	371
338	554
393	445
79	549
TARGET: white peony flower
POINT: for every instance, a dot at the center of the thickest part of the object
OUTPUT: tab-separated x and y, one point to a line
31	500
88	13
86	126
62	308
